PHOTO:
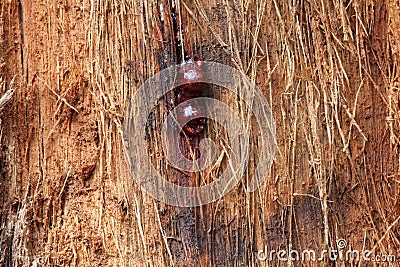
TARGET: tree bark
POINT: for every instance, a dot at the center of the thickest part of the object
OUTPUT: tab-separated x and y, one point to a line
329	69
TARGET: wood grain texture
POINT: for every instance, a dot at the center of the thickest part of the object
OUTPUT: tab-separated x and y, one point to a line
329	69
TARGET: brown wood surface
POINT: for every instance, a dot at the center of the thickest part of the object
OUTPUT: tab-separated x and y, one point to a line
330	70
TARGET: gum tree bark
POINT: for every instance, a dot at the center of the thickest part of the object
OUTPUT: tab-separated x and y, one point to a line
329	69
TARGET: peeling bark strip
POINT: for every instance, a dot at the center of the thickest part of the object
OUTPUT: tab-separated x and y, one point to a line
8	95
6	98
